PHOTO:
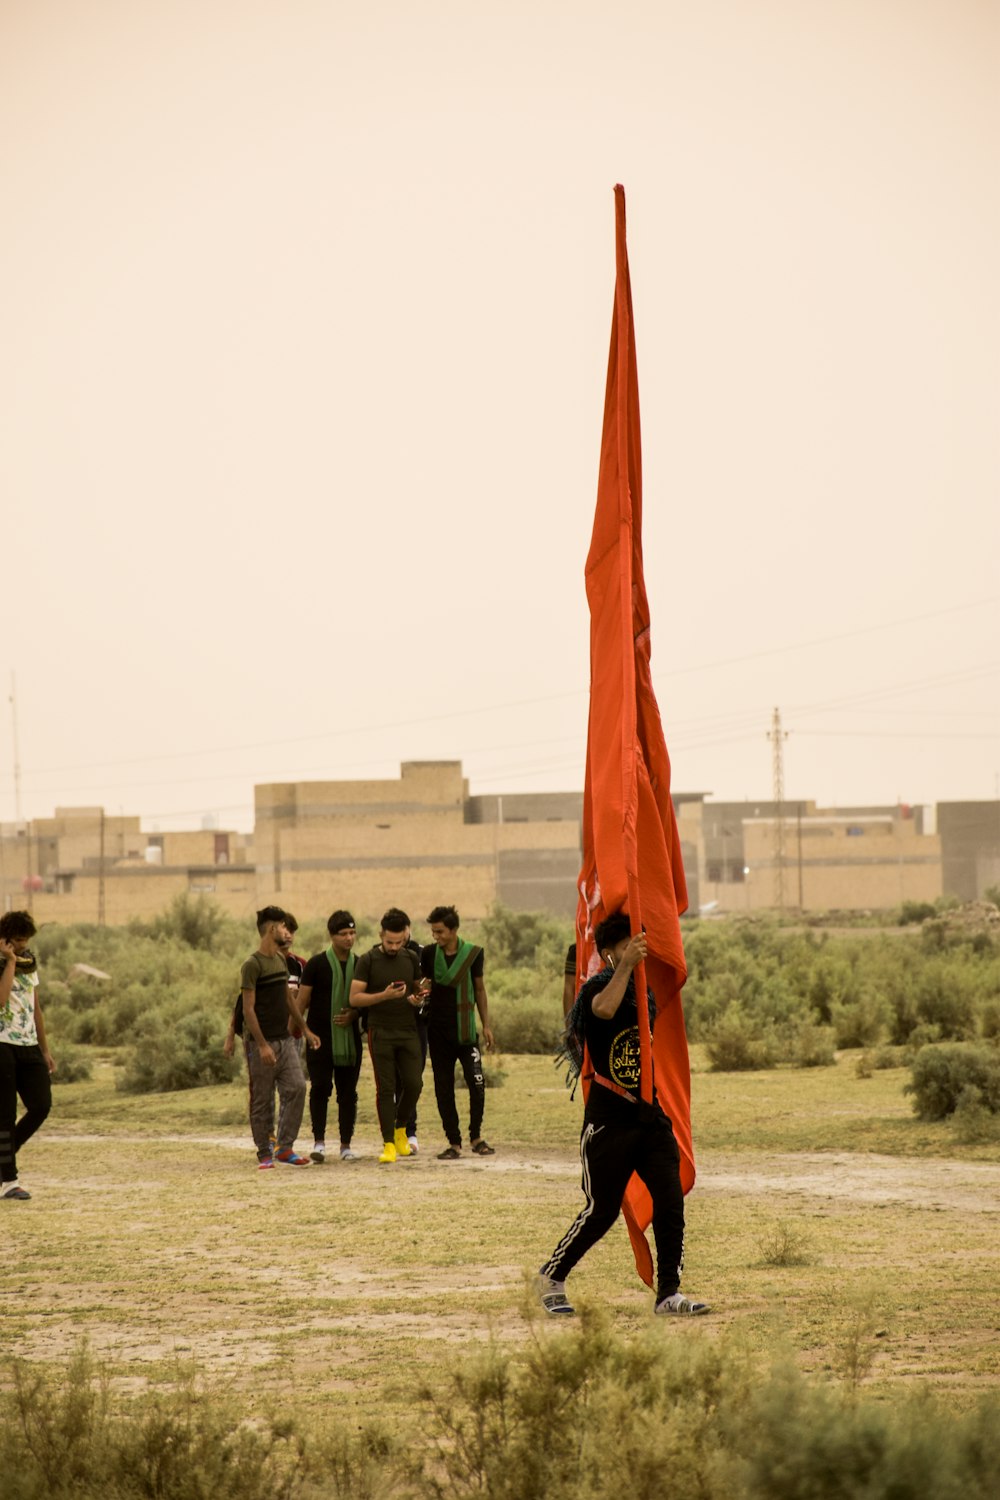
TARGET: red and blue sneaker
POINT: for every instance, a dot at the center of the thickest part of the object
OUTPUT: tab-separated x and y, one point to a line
290	1158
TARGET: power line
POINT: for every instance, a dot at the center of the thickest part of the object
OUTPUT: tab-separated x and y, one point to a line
512	703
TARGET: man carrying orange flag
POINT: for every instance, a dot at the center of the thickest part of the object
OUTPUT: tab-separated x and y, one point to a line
636	1147
622	1133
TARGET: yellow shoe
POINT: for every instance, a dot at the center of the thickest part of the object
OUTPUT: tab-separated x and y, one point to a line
402	1144
388	1152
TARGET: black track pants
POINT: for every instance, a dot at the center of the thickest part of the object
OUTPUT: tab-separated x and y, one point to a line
324	1077
610	1153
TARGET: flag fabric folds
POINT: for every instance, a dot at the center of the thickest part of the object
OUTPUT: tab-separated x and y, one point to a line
631	848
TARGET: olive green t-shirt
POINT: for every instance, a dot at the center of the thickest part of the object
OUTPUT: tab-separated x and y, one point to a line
378	970
267	975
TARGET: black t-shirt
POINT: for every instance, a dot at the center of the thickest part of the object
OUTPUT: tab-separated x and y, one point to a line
318	976
377	970
614	1053
442	1003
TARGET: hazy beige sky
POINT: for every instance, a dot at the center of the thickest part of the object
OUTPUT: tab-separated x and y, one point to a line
304	315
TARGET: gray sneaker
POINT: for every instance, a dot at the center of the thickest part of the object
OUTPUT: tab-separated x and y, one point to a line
552	1295
346	1154
679	1306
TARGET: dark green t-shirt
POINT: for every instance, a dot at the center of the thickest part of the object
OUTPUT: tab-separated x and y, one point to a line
267	975
378	969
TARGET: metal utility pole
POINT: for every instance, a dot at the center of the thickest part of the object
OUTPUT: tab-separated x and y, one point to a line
17	752
100	878
17	791
778	736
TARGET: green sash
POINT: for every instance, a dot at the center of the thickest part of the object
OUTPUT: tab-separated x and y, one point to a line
454	973
341	1037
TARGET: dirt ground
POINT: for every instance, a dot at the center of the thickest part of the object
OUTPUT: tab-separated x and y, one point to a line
152	1236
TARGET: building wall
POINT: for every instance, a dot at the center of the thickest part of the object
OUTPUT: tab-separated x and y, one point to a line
834	864
144	892
970	846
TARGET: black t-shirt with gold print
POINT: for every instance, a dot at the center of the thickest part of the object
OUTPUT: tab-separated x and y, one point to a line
614	1052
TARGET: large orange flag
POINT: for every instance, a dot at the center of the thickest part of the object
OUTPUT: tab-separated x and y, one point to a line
631	849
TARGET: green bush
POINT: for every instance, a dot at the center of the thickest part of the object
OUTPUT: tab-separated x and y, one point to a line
735	1044
975	1124
195	921
62	1439
943	1074
881	1058
916	911
528	1028
175	1050
589	1412
813	1047
524	940
72	1065
862	1021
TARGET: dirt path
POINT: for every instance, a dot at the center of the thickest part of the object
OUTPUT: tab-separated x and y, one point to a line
962	1186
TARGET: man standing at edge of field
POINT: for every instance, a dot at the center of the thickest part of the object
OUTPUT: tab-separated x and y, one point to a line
333	1034
453	977
272	1054
386	984
26	1063
621	1133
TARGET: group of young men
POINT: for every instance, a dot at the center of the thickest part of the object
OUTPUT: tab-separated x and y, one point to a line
398	999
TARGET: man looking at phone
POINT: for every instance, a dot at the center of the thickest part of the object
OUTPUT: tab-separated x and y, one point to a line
386	984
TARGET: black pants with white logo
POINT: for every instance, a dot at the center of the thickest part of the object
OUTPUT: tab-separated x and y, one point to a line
445	1053
610	1153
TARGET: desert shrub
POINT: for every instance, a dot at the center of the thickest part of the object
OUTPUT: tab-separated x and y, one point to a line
580	1411
175	1050
565	1416
880	1058
989	1019
64	1439
861	1021
735	1044
529	1028
72	1065
525	939
195	921
915	911
785	1244
945	1073
974	1123
812	1047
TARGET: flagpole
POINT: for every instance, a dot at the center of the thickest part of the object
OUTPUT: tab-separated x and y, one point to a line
626	545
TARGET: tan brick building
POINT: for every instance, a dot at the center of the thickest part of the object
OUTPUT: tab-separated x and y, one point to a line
420	839
414	842
85	865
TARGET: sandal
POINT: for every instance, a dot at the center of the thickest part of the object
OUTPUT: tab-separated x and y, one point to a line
481	1148
450	1153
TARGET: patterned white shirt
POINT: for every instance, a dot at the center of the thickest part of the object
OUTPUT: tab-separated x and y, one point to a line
17	1017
